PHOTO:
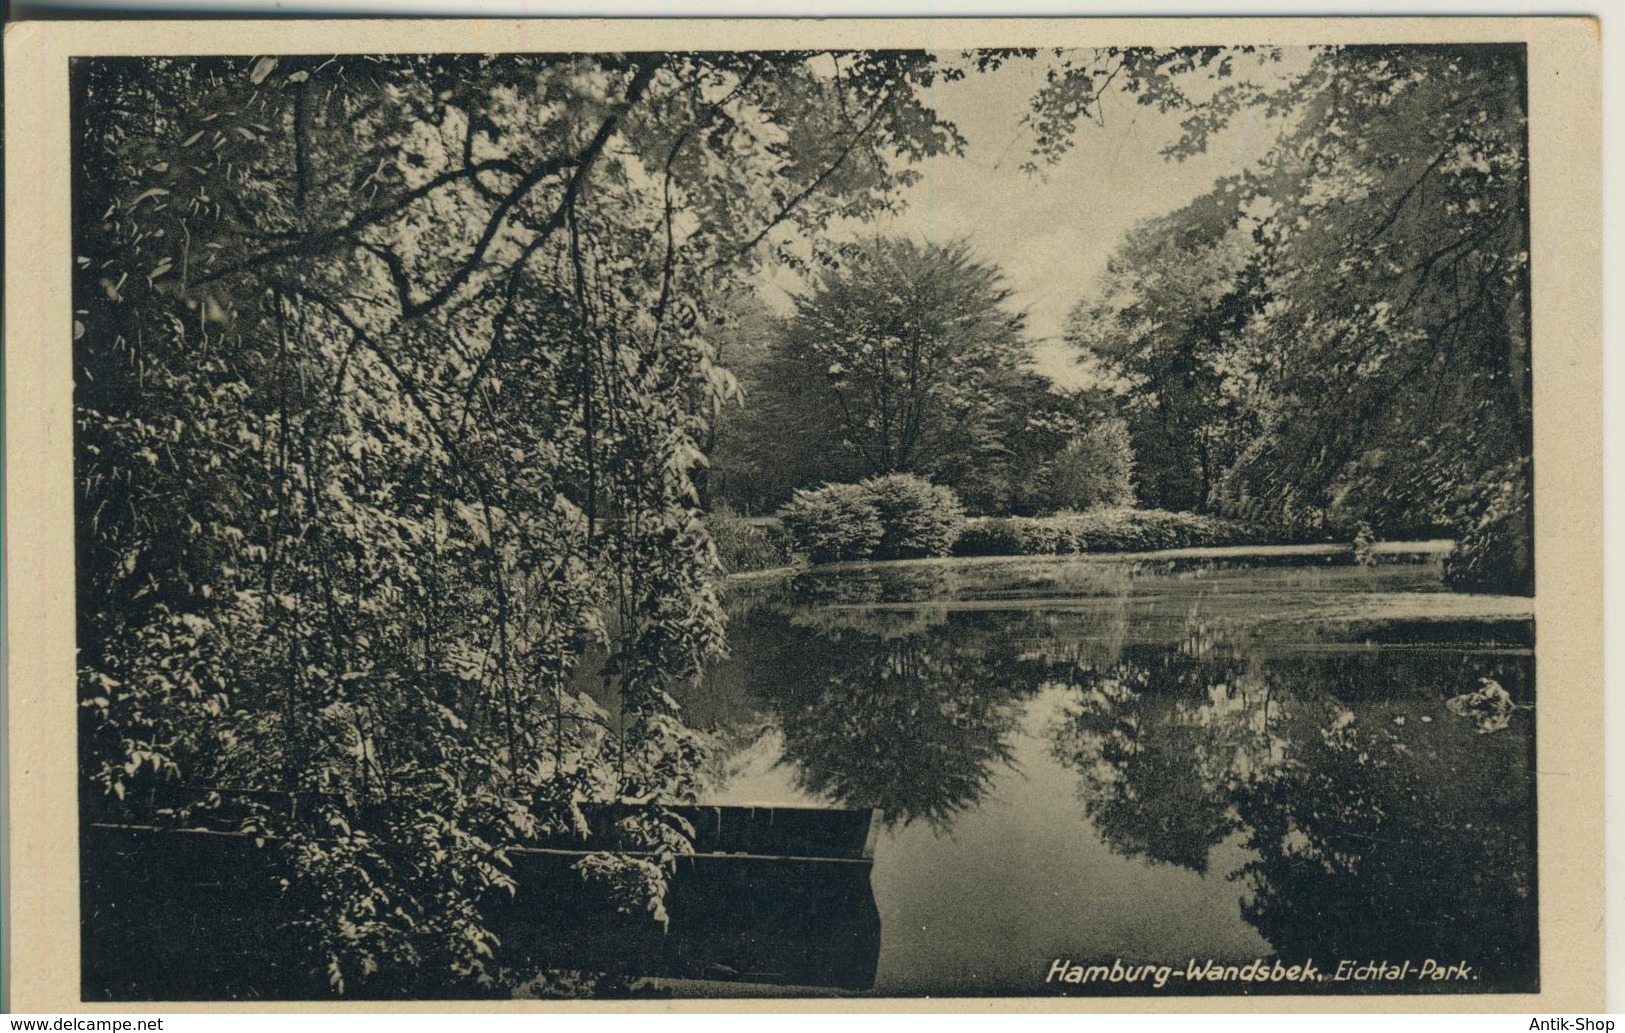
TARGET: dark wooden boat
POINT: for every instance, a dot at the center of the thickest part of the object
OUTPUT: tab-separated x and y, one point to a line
775	895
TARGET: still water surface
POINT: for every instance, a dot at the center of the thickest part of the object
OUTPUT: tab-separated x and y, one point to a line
1102	759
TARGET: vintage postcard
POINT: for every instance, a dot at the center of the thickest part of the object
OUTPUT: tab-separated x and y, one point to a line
1085	514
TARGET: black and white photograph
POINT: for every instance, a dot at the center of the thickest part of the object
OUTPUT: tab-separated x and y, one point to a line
849	522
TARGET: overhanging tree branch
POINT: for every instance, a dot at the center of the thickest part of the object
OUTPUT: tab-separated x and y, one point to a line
327	241
583	164
840	159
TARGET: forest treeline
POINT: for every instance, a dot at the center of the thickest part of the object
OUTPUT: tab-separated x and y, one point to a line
1338	337
396	379
1332	343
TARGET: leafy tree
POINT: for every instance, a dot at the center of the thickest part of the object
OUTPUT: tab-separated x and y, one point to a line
1094	469
392	378
1352	314
751	470
1173	296
897	361
1157	77
1038	423
1399	332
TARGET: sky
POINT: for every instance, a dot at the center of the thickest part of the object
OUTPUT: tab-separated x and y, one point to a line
1051	234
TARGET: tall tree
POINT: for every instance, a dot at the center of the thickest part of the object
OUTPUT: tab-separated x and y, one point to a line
1375	317
1174	295
897	360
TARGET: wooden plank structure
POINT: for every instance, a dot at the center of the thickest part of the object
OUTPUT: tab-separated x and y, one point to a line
776	895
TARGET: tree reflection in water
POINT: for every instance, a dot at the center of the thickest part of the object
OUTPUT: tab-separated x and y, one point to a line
1308	770
891	709
1158	740
1369	841
1377	824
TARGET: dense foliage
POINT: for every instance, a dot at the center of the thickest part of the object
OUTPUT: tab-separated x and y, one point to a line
403	383
899	358
895	517
749	544
1093	470
393	376
834	523
917	518
1340	334
896	361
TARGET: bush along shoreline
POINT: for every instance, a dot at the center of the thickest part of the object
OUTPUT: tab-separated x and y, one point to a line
901	516
892	517
750	544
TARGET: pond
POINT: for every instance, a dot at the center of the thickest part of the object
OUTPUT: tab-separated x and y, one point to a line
1151	761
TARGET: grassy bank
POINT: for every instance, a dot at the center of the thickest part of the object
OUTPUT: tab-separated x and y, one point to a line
1107	530
762	543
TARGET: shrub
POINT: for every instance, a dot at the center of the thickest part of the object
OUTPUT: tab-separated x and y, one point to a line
833	523
1004	536
898	516
749	544
1114	530
917	518
1095	469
